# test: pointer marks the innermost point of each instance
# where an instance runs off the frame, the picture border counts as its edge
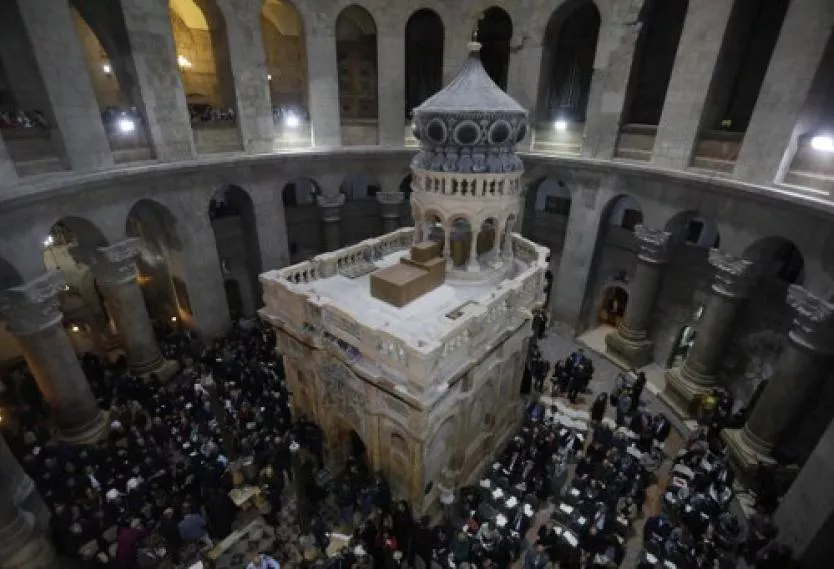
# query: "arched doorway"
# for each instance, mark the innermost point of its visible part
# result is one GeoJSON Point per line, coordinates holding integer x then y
{"type": "Point", "coordinates": [494, 31]}
{"type": "Point", "coordinates": [423, 58]}
{"type": "Point", "coordinates": [232, 217]}
{"type": "Point", "coordinates": [361, 214]}
{"type": "Point", "coordinates": [356, 54]}
{"type": "Point", "coordinates": [460, 241]}
{"type": "Point", "coordinates": [282, 30]}
{"type": "Point", "coordinates": [302, 217]}
{"type": "Point", "coordinates": [205, 67]}
{"type": "Point", "coordinates": [612, 306]}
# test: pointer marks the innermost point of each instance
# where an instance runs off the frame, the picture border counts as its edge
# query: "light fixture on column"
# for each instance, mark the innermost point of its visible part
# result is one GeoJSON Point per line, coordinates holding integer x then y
{"type": "Point", "coordinates": [291, 120]}
{"type": "Point", "coordinates": [561, 125]}
{"type": "Point", "coordinates": [269, 76]}
{"type": "Point", "coordinates": [823, 143]}
{"type": "Point", "coordinates": [75, 328]}
{"type": "Point", "coordinates": [106, 68]}
{"type": "Point", "coordinates": [183, 62]}
{"type": "Point", "coordinates": [49, 241]}
{"type": "Point", "coordinates": [126, 125]}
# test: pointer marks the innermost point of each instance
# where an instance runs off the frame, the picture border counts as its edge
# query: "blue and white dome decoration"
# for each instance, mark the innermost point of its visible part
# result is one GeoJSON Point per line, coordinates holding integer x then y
{"type": "Point", "coordinates": [471, 125]}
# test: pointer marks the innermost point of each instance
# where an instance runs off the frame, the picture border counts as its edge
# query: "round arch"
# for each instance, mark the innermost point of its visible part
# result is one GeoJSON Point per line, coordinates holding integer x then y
{"type": "Point", "coordinates": [493, 31]}
{"type": "Point", "coordinates": [232, 214]}
{"type": "Point", "coordinates": [424, 34]}
{"type": "Point", "coordinates": [569, 49]}
{"type": "Point", "coordinates": [777, 257]}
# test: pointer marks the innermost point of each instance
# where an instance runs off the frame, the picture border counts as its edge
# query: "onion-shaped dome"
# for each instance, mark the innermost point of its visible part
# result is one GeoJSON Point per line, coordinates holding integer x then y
{"type": "Point", "coordinates": [471, 125]}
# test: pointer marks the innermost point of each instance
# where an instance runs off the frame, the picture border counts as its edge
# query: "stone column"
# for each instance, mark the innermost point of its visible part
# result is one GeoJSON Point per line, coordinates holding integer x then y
{"type": "Point", "coordinates": [806, 511]}
{"type": "Point", "coordinates": [115, 269]}
{"type": "Point", "coordinates": [248, 63]}
{"type": "Point", "coordinates": [33, 316]}
{"type": "Point", "coordinates": [61, 64]}
{"type": "Point", "coordinates": [630, 340]}
{"type": "Point", "coordinates": [686, 385]}
{"type": "Point", "coordinates": [20, 487]}
{"type": "Point", "coordinates": [23, 545]}
{"type": "Point", "coordinates": [770, 142]}
{"type": "Point", "coordinates": [391, 86]}
{"type": "Point", "coordinates": [473, 266]}
{"type": "Point", "coordinates": [158, 79]}
{"type": "Point", "coordinates": [8, 174]}
{"type": "Point", "coordinates": [331, 220]}
{"type": "Point", "coordinates": [688, 93]}
{"type": "Point", "coordinates": [323, 80]}
{"type": "Point", "coordinates": [607, 99]}
{"type": "Point", "coordinates": [796, 377]}
{"type": "Point", "coordinates": [390, 203]}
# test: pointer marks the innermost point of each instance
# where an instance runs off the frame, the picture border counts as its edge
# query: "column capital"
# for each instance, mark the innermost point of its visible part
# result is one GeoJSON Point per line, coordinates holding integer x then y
{"type": "Point", "coordinates": [733, 275]}
{"type": "Point", "coordinates": [390, 198]}
{"type": "Point", "coordinates": [112, 264]}
{"type": "Point", "coordinates": [813, 325]}
{"type": "Point", "coordinates": [654, 244]}
{"type": "Point", "coordinates": [329, 206]}
{"type": "Point", "coordinates": [33, 306]}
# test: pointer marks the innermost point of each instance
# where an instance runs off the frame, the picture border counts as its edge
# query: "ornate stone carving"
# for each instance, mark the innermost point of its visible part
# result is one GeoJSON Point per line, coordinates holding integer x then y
{"type": "Point", "coordinates": [813, 325]}
{"type": "Point", "coordinates": [654, 244]}
{"type": "Point", "coordinates": [116, 263]}
{"type": "Point", "coordinates": [340, 386]}
{"type": "Point", "coordinates": [330, 206]}
{"type": "Point", "coordinates": [733, 275]}
{"type": "Point", "coordinates": [32, 307]}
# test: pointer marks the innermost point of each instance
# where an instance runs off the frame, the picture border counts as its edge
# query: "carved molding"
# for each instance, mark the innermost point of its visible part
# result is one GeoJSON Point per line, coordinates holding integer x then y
{"type": "Point", "coordinates": [33, 307]}
{"type": "Point", "coordinates": [813, 325]}
{"type": "Point", "coordinates": [330, 206]}
{"type": "Point", "coordinates": [111, 264]}
{"type": "Point", "coordinates": [733, 275]}
{"type": "Point", "coordinates": [654, 244]}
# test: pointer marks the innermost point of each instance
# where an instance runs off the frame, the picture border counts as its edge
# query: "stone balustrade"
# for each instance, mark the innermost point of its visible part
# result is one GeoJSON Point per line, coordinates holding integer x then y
{"type": "Point", "coordinates": [465, 185]}
{"type": "Point", "coordinates": [424, 359]}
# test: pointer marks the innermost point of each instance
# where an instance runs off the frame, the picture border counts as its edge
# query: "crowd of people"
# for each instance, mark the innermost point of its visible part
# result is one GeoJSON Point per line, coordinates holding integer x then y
{"type": "Point", "coordinates": [163, 475]}
{"type": "Point", "coordinates": [205, 113]}
{"type": "Point", "coordinates": [19, 118]}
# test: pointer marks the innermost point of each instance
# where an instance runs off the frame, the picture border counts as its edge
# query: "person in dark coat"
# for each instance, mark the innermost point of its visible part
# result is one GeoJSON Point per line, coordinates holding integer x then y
{"type": "Point", "coordinates": [598, 407]}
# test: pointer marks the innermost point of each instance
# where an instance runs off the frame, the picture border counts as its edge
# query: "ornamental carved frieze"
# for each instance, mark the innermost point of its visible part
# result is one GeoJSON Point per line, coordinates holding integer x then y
{"type": "Point", "coordinates": [654, 244]}
{"type": "Point", "coordinates": [733, 275]}
{"type": "Point", "coordinates": [813, 324]}
{"type": "Point", "coordinates": [33, 307]}
{"type": "Point", "coordinates": [341, 388]}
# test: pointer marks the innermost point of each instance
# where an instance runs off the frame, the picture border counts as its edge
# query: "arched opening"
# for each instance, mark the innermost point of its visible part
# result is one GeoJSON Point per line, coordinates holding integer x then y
{"type": "Point", "coordinates": [684, 340]}
{"type": "Point", "coordinates": [487, 249]}
{"type": "Point", "coordinates": [762, 326]}
{"type": "Point", "coordinates": [282, 31]}
{"type": "Point", "coordinates": [356, 54]}
{"type": "Point", "coordinates": [612, 306]}
{"type": "Point", "coordinates": [614, 262]}
{"type": "Point", "coordinates": [232, 217]}
{"type": "Point", "coordinates": [512, 221]}
{"type": "Point", "coordinates": [361, 214]}
{"type": "Point", "coordinates": [302, 218]}
{"type": "Point", "coordinates": [745, 54]}
{"type": "Point", "coordinates": [423, 58]}
{"type": "Point", "coordinates": [435, 231]}
{"type": "Point", "coordinates": [568, 53]}
{"type": "Point", "coordinates": [460, 241]}
{"type": "Point", "coordinates": [546, 214]}
{"type": "Point", "coordinates": [86, 315]}
{"type": "Point", "coordinates": [205, 67]}
{"type": "Point", "coordinates": [123, 123]}
{"type": "Point", "coordinates": [161, 264]}
{"type": "Point", "coordinates": [494, 31]}
{"type": "Point", "coordinates": [687, 280]}
{"type": "Point", "coordinates": [654, 60]}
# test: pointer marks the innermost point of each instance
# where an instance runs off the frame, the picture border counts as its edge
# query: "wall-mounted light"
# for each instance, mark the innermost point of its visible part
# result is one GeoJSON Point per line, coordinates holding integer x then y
{"type": "Point", "coordinates": [106, 68]}
{"type": "Point", "coordinates": [75, 328]}
{"type": "Point", "coordinates": [823, 143]}
{"type": "Point", "coordinates": [269, 76]}
{"type": "Point", "coordinates": [561, 125]}
{"type": "Point", "coordinates": [126, 125]}
{"type": "Point", "coordinates": [173, 318]}
{"type": "Point", "coordinates": [291, 121]}
{"type": "Point", "coordinates": [49, 241]}
{"type": "Point", "coordinates": [183, 62]}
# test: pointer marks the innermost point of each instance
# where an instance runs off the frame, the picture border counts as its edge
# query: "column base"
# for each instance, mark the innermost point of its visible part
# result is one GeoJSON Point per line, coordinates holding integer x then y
{"type": "Point", "coordinates": [88, 434]}
{"type": "Point", "coordinates": [164, 370]}
{"type": "Point", "coordinates": [681, 394]}
{"type": "Point", "coordinates": [23, 546]}
{"type": "Point", "coordinates": [746, 455]}
{"type": "Point", "coordinates": [636, 352]}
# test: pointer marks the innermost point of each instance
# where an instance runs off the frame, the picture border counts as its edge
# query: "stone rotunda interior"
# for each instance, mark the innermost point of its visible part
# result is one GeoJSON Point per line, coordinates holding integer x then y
{"type": "Point", "coordinates": [393, 219]}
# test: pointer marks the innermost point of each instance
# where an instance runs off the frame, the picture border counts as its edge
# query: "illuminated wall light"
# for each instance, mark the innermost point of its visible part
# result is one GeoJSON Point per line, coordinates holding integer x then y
{"type": "Point", "coordinates": [75, 328]}
{"type": "Point", "coordinates": [106, 68]}
{"type": "Point", "coordinates": [823, 143]}
{"type": "Point", "coordinates": [561, 125]}
{"type": "Point", "coordinates": [183, 62]}
{"type": "Point", "coordinates": [126, 126]}
{"type": "Point", "coordinates": [269, 76]}
{"type": "Point", "coordinates": [48, 241]}
{"type": "Point", "coordinates": [291, 121]}
{"type": "Point", "coordinates": [173, 318]}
